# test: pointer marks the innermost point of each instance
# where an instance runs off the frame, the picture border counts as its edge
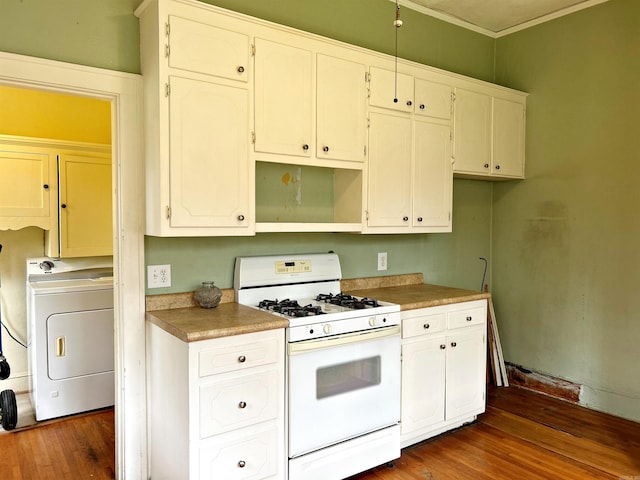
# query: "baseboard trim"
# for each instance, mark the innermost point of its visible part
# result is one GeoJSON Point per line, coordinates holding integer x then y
{"type": "Point", "coordinates": [541, 383]}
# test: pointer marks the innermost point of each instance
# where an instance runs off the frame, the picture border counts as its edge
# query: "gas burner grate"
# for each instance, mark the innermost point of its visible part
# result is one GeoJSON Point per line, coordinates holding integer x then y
{"type": "Point", "coordinates": [348, 301]}
{"type": "Point", "coordinates": [290, 308]}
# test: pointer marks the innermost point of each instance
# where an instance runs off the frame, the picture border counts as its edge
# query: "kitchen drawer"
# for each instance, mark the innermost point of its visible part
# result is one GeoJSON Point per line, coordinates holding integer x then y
{"type": "Point", "coordinates": [240, 401]}
{"type": "Point", "coordinates": [252, 456]}
{"type": "Point", "coordinates": [464, 318]}
{"type": "Point", "coordinates": [238, 356]}
{"type": "Point", "coordinates": [424, 325]}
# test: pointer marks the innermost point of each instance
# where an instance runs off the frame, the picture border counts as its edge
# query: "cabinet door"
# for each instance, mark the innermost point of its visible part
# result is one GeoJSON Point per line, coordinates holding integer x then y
{"type": "Point", "coordinates": [25, 187]}
{"type": "Point", "coordinates": [86, 227]}
{"type": "Point", "coordinates": [432, 99]}
{"type": "Point", "coordinates": [209, 163]}
{"type": "Point", "coordinates": [466, 364]}
{"type": "Point", "coordinates": [202, 48]}
{"type": "Point", "coordinates": [472, 132]}
{"type": "Point", "coordinates": [283, 93]}
{"type": "Point", "coordinates": [508, 138]}
{"type": "Point", "coordinates": [433, 176]}
{"type": "Point", "coordinates": [423, 384]}
{"type": "Point", "coordinates": [341, 102]}
{"type": "Point", "coordinates": [389, 195]}
{"type": "Point", "coordinates": [389, 90]}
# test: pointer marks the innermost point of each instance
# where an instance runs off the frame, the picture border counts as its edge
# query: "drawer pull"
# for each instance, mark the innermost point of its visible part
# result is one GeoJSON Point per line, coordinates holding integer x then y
{"type": "Point", "coordinates": [443, 346]}
{"type": "Point", "coordinates": [426, 326]}
{"type": "Point", "coordinates": [242, 405]}
{"type": "Point", "coordinates": [469, 318]}
{"type": "Point", "coordinates": [453, 344]}
{"type": "Point", "coordinates": [242, 463]}
{"type": "Point", "coordinates": [242, 359]}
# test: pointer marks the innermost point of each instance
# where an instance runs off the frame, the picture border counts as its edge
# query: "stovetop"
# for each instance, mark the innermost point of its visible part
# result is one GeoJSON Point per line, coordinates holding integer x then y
{"type": "Point", "coordinates": [322, 304]}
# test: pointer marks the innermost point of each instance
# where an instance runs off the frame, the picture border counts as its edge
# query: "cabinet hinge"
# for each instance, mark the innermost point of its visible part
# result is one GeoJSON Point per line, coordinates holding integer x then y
{"type": "Point", "coordinates": [168, 212]}
{"type": "Point", "coordinates": [253, 49]}
{"type": "Point", "coordinates": [253, 137]}
{"type": "Point", "coordinates": [167, 89]}
{"type": "Point", "coordinates": [366, 215]}
{"type": "Point", "coordinates": [449, 216]}
{"type": "Point", "coordinates": [167, 50]}
{"type": "Point", "coordinates": [167, 29]}
{"type": "Point", "coordinates": [368, 122]}
{"type": "Point", "coordinates": [365, 150]}
{"type": "Point", "coordinates": [450, 135]}
{"type": "Point", "coordinates": [367, 77]}
{"type": "Point", "coordinates": [453, 97]}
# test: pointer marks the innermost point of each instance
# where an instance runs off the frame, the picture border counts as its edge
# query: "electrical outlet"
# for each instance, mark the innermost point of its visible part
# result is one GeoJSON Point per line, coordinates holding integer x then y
{"type": "Point", "coordinates": [382, 260]}
{"type": "Point", "coordinates": [158, 276]}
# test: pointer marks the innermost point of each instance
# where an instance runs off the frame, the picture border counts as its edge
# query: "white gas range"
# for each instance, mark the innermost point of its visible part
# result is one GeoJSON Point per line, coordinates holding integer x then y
{"type": "Point", "coordinates": [343, 364]}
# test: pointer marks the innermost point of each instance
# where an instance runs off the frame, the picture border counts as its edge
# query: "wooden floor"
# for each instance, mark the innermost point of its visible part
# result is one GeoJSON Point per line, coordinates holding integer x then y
{"type": "Point", "coordinates": [522, 436]}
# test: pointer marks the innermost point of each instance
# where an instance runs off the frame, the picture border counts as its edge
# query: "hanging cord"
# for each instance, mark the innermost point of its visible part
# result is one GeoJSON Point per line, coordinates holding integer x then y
{"type": "Point", "coordinates": [397, 24]}
{"type": "Point", "coordinates": [485, 272]}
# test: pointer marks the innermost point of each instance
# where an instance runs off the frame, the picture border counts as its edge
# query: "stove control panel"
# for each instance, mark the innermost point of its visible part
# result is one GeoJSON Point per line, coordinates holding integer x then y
{"type": "Point", "coordinates": [311, 331]}
{"type": "Point", "coordinates": [293, 266]}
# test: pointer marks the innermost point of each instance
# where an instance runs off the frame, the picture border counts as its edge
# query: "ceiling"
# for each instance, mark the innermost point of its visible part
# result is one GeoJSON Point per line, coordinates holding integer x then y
{"type": "Point", "coordinates": [497, 17]}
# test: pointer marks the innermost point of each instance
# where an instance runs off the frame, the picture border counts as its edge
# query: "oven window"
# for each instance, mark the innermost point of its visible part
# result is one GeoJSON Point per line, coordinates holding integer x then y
{"type": "Point", "coordinates": [347, 377]}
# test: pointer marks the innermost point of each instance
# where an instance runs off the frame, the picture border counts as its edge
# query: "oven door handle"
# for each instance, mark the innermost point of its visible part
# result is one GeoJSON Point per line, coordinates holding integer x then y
{"type": "Point", "coordinates": [344, 339]}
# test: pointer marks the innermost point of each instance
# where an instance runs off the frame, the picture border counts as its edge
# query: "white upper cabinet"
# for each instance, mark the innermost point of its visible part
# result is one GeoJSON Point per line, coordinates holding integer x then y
{"type": "Point", "coordinates": [341, 109]}
{"type": "Point", "coordinates": [432, 177]}
{"type": "Point", "coordinates": [432, 99]}
{"type": "Point", "coordinates": [508, 138]}
{"type": "Point", "coordinates": [489, 130]}
{"type": "Point", "coordinates": [200, 48]}
{"type": "Point", "coordinates": [391, 90]}
{"type": "Point", "coordinates": [209, 171]}
{"type": "Point", "coordinates": [283, 99]}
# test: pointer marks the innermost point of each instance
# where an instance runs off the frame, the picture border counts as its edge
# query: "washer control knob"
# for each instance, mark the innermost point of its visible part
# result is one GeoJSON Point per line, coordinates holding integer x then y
{"type": "Point", "coordinates": [326, 328]}
{"type": "Point", "coordinates": [373, 321]}
{"type": "Point", "coordinates": [47, 265]}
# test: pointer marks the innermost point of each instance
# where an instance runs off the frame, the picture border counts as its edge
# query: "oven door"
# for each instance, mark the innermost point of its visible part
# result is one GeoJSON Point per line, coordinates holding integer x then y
{"type": "Point", "coordinates": [342, 387]}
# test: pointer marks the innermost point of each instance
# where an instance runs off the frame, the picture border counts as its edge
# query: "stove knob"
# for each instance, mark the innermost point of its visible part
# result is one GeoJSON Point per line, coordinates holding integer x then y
{"type": "Point", "coordinates": [372, 321]}
{"type": "Point", "coordinates": [326, 328]}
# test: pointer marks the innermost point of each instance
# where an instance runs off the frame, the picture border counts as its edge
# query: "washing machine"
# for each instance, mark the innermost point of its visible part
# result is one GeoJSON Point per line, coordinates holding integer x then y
{"type": "Point", "coordinates": [70, 335]}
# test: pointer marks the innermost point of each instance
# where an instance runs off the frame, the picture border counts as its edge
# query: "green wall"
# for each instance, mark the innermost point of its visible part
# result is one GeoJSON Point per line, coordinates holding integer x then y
{"type": "Point", "coordinates": [566, 263]}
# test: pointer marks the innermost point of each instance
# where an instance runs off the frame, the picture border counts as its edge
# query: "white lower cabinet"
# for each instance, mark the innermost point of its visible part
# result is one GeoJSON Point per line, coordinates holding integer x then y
{"type": "Point", "coordinates": [216, 407]}
{"type": "Point", "coordinates": [443, 368]}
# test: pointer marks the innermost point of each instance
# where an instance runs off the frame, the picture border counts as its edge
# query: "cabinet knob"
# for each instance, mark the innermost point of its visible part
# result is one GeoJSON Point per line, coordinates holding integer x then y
{"type": "Point", "coordinates": [422, 106]}
{"type": "Point", "coordinates": [409, 103]}
{"type": "Point", "coordinates": [242, 463]}
{"type": "Point", "coordinates": [453, 344]}
{"type": "Point", "coordinates": [406, 219]}
{"type": "Point", "coordinates": [242, 405]}
{"type": "Point", "coordinates": [419, 219]}
{"type": "Point", "coordinates": [45, 186]}
{"type": "Point", "coordinates": [63, 205]}
{"type": "Point", "coordinates": [240, 69]}
{"type": "Point", "coordinates": [325, 149]}
{"type": "Point", "coordinates": [305, 147]}
{"type": "Point", "coordinates": [242, 359]}
{"type": "Point", "coordinates": [486, 165]}
{"type": "Point", "coordinates": [469, 318]}
{"type": "Point", "coordinates": [241, 217]}
{"type": "Point", "coordinates": [443, 346]}
{"type": "Point", "coordinates": [426, 326]}
{"type": "Point", "coordinates": [497, 167]}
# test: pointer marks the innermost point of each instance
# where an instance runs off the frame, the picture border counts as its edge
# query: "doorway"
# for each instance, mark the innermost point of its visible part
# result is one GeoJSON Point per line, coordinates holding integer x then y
{"type": "Point", "coordinates": [124, 92]}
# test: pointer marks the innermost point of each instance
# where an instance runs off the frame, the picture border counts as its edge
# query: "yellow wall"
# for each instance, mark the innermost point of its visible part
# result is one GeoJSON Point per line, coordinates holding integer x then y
{"type": "Point", "coordinates": [31, 113]}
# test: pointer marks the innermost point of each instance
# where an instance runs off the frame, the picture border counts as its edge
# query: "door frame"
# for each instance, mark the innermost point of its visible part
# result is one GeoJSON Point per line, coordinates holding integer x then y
{"type": "Point", "coordinates": [124, 91]}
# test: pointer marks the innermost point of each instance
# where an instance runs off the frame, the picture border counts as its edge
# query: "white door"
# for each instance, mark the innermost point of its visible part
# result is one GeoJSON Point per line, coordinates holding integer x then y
{"type": "Point", "coordinates": [283, 94]}
{"type": "Point", "coordinates": [209, 166]}
{"type": "Point", "coordinates": [80, 343]}
{"type": "Point", "coordinates": [389, 195]}
{"type": "Point", "coordinates": [341, 101]}
{"type": "Point", "coordinates": [433, 176]}
{"type": "Point", "coordinates": [472, 132]}
{"type": "Point", "coordinates": [432, 99]}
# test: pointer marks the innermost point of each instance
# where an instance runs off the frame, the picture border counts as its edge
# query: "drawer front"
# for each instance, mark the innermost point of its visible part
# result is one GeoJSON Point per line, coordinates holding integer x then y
{"type": "Point", "coordinates": [464, 318]}
{"type": "Point", "coordinates": [237, 357]}
{"type": "Point", "coordinates": [238, 402]}
{"type": "Point", "coordinates": [246, 457]}
{"type": "Point", "coordinates": [424, 325]}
